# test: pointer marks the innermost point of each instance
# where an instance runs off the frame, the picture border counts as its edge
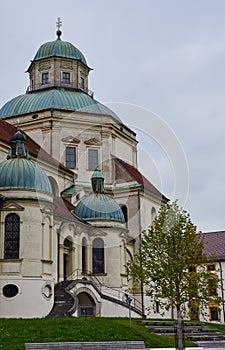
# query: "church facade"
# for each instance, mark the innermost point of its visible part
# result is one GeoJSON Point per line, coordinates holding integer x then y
{"type": "Point", "coordinates": [77, 230]}
{"type": "Point", "coordinates": [73, 202]}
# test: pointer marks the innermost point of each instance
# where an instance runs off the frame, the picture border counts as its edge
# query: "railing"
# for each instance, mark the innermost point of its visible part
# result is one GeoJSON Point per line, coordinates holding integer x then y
{"type": "Point", "coordinates": [115, 293]}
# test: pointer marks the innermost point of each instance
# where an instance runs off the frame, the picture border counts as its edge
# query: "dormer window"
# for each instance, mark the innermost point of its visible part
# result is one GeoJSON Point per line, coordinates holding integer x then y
{"type": "Point", "coordinates": [45, 78]}
{"type": "Point", "coordinates": [66, 77]}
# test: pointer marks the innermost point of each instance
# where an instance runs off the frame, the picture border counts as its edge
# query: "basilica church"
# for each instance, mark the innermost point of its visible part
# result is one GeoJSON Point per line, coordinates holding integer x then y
{"type": "Point", "coordinates": [73, 203]}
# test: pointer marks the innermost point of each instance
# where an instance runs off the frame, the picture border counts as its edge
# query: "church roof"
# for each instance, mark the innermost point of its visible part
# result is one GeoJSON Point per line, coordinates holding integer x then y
{"type": "Point", "coordinates": [63, 209]}
{"type": "Point", "coordinates": [34, 149]}
{"type": "Point", "coordinates": [140, 178]}
{"type": "Point", "coordinates": [214, 244]}
{"type": "Point", "coordinates": [99, 206]}
{"type": "Point", "coordinates": [19, 171]}
{"type": "Point", "coordinates": [59, 48]}
{"type": "Point", "coordinates": [55, 98]}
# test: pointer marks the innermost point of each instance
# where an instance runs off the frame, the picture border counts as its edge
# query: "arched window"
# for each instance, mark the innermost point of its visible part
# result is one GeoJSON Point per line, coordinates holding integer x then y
{"type": "Point", "coordinates": [84, 255]}
{"type": "Point", "coordinates": [124, 210]}
{"type": "Point", "coordinates": [12, 236]}
{"type": "Point", "coordinates": [98, 260]}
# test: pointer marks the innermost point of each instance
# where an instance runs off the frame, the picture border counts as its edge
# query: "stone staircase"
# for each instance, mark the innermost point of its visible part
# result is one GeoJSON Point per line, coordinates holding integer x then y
{"type": "Point", "coordinates": [116, 345]}
{"type": "Point", "coordinates": [194, 331]}
{"type": "Point", "coordinates": [64, 302]}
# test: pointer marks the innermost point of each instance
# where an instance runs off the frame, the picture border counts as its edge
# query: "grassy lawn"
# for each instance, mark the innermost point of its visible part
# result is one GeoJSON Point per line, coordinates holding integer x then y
{"type": "Point", "coordinates": [15, 332]}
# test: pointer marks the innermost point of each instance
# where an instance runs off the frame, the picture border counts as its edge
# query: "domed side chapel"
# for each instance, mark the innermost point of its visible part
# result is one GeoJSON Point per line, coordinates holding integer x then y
{"type": "Point", "coordinates": [73, 202]}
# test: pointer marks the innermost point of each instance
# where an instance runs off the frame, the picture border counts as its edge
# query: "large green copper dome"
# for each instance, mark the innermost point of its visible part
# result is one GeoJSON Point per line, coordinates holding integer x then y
{"type": "Point", "coordinates": [56, 98]}
{"type": "Point", "coordinates": [59, 48]}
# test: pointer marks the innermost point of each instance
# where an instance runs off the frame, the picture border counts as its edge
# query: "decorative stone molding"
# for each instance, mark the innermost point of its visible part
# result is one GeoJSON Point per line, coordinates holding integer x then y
{"type": "Point", "coordinates": [12, 206]}
{"type": "Point", "coordinates": [70, 139]}
{"type": "Point", "coordinates": [92, 141]}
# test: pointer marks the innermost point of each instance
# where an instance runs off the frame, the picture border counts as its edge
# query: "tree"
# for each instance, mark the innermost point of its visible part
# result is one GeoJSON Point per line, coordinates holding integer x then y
{"type": "Point", "coordinates": [172, 265]}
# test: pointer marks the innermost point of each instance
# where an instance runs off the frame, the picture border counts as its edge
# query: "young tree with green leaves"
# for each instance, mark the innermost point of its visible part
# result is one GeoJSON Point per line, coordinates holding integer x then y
{"type": "Point", "coordinates": [171, 264]}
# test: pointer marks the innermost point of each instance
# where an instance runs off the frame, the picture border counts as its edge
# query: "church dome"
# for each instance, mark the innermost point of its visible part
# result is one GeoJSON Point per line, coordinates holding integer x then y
{"type": "Point", "coordinates": [56, 98]}
{"type": "Point", "coordinates": [19, 172]}
{"type": "Point", "coordinates": [97, 205]}
{"type": "Point", "coordinates": [59, 48]}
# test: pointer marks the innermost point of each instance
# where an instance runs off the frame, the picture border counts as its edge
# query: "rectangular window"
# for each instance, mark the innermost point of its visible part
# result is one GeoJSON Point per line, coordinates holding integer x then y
{"type": "Point", "coordinates": [92, 159]}
{"type": "Point", "coordinates": [71, 157]}
{"type": "Point", "coordinates": [212, 284]}
{"type": "Point", "coordinates": [45, 78]}
{"type": "Point", "coordinates": [214, 313]}
{"type": "Point", "coordinates": [211, 267]}
{"type": "Point", "coordinates": [82, 83]}
{"type": "Point", "coordinates": [66, 78]}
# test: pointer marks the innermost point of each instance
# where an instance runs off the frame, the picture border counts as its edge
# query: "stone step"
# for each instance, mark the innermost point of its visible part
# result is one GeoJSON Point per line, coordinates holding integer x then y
{"type": "Point", "coordinates": [117, 345]}
{"type": "Point", "coordinates": [208, 335]}
{"type": "Point", "coordinates": [217, 344]}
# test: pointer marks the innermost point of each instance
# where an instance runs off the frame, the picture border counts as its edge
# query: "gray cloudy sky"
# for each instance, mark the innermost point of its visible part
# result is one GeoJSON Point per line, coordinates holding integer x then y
{"type": "Point", "coordinates": [164, 56]}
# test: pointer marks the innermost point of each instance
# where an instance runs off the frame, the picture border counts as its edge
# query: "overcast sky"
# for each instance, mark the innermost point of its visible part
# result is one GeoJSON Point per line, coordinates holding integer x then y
{"type": "Point", "coordinates": [161, 64]}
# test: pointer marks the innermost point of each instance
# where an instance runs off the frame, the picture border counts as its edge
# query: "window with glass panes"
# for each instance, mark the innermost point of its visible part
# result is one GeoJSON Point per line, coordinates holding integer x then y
{"type": "Point", "coordinates": [98, 256]}
{"type": "Point", "coordinates": [44, 78]}
{"type": "Point", "coordinates": [71, 157]}
{"type": "Point", "coordinates": [92, 159]}
{"type": "Point", "coordinates": [12, 236]}
{"type": "Point", "coordinates": [66, 77]}
{"type": "Point", "coordinates": [82, 83]}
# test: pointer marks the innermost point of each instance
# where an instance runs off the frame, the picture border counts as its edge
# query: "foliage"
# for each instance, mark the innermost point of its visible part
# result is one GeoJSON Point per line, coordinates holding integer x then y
{"type": "Point", "coordinates": [14, 333]}
{"type": "Point", "coordinates": [171, 262]}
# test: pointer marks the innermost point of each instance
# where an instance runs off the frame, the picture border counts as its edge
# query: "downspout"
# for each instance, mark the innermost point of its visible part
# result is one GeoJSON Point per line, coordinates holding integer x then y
{"type": "Point", "coordinates": [139, 224]}
{"type": "Point", "coordinates": [221, 277]}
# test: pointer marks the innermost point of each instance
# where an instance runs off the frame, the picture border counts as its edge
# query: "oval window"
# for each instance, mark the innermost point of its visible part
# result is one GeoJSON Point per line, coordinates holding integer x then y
{"type": "Point", "coordinates": [10, 290]}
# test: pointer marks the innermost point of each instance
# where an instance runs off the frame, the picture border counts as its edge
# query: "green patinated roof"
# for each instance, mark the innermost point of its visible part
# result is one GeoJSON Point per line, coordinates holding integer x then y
{"type": "Point", "coordinates": [59, 48]}
{"type": "Point", "coordinates": [99, 207]}
{"type": "Point", "coordinates": [97, 174]}
{"type": "Point", "coordinates": [21, 173]}
{"type": "Point", "coordinates": [61, 99]}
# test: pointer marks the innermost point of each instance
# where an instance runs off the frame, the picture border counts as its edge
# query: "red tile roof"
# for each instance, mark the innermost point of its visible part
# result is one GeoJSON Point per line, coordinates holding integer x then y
{"type": "Point", "coordinates": [141, 179]}
{"type": "Point", "coordinates": [6, 132]}
{"type": "Point", "coordinates": [63, 209]}
{"type": "Point", "coordinates": [214, 244]}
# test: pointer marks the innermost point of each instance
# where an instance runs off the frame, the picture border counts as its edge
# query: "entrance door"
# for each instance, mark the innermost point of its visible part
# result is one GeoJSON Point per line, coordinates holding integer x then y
{"type": "Point", "coordinates": [86, 305]}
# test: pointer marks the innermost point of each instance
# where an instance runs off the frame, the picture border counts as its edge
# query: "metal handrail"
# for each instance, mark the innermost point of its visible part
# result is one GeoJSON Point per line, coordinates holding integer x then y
{"type": "Point", "coordinates": [104, 289]}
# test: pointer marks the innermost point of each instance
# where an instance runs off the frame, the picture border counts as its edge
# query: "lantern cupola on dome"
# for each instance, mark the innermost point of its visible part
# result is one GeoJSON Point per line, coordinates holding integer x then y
{"type": "Point", "coordinates": [19, 171]}
{"type": "Point", "coordinates": [98, 206]}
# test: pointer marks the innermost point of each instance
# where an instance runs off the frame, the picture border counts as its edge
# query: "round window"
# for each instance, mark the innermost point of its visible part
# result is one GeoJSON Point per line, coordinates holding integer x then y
{"type": "Point", "coordinates": [47, 291]}
{"type": "Point", "coordinates": [10, 290]}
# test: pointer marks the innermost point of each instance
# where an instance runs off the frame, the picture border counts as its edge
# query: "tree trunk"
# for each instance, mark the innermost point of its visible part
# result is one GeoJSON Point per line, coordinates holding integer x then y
{"type": "Point", "coordinates": [180, 344]}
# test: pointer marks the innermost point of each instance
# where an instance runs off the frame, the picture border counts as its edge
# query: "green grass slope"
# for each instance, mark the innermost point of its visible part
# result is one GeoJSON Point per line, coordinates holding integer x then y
{"type": "Point", "coordinates": [14, 333]}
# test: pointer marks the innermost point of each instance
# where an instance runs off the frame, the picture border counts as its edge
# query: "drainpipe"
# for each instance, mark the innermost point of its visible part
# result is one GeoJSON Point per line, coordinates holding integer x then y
{"type": "Point", "coordinates": [221, 277]}
{"type": "Point", "coordinates": [139, 224]}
